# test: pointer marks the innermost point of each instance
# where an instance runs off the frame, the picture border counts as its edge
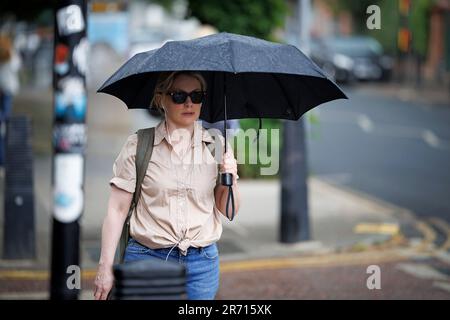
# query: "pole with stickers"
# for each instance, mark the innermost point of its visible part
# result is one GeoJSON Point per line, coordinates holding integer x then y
{"type": "Point", "coordinates": [68, 141]}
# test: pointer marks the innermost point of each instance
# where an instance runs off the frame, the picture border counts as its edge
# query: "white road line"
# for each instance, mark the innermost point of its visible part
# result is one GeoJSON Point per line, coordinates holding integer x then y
{"type": "Point", "coordinates": [399, 131]}
{"type": "Point", "coordinates": [421, 271]}
{"type": "Point", "coordinates": [430, 138]}
{"type": "Point", "coordinates": [443, 257]}
{"type": "Point", "coordinates": [388, 130]}
{"type": "Point", "coordinates": [442, 285]}
{"type": "Point", "coordinates": [365, 123]}
{"type": "Point", "coordinates": [339, 178]}
{"type": "Point", "coordinates": [444, 227]}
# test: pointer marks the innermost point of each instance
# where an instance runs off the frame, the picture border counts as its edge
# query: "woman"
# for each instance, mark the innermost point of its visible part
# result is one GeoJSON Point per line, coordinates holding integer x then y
{"type": "Point", "coordinates": [178, 214]}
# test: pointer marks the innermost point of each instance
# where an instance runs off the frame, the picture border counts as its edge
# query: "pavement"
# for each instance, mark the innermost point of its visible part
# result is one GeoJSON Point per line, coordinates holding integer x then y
{"type": "Point", "coordinates": [349, 230]}
{"type": "Point", "coordinates": [432, 96]}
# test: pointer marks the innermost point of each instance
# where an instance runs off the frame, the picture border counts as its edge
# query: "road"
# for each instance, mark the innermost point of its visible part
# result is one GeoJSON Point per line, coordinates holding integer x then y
{"type": "Point", "coordinates": [393, 150]}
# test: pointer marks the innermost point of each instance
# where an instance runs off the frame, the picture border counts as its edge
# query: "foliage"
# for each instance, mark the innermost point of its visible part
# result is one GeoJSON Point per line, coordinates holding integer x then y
{"type": "Point", "coordinates": [390, 21]}
{"type": "Point", "coordinates": [25, 9]}
{"type": "Point", "coordinates": [419, 24]}
{"type": "Point", "coordinates": [356, 8]}
{"type": "Point", "coordinates": [248, 170]}
{"type": "Point", "coordinates": [257, 18]}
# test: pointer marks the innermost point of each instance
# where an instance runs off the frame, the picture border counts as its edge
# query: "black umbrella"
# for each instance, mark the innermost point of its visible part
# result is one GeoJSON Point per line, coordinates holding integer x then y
{"type": "Point", "coordinates": [246, 78]}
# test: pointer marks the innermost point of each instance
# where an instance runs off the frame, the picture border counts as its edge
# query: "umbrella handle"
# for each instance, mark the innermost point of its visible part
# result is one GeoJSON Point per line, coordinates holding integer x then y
{"type": "Point", "coordinates": [227, 180]}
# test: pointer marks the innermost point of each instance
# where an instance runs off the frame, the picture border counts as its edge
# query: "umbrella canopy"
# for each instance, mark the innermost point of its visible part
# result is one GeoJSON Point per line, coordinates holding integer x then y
{"type": "Point", "coordinates": [260, 79]}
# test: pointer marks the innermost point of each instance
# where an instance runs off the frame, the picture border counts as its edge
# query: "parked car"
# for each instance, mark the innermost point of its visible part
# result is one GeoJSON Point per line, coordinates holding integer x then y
{"type": "Point", "coordinates": [352, 58]}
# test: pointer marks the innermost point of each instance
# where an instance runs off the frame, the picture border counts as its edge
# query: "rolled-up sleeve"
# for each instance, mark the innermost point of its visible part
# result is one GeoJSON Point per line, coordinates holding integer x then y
{"type": "Point", "coordinates": [124, 168]}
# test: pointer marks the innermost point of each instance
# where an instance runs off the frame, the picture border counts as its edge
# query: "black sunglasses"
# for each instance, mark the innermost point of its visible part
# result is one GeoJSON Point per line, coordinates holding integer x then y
{"type": "Point", "coordinates": [179, 97]}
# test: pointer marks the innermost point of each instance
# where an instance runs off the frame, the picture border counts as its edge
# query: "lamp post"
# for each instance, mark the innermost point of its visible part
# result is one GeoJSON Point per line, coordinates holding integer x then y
{"type": "Point", "coordinates": [69, 140]}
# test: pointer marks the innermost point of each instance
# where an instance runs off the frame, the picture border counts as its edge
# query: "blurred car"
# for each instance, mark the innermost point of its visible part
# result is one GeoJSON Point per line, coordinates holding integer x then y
{"type": "Point", "coordinates": [347, 59]}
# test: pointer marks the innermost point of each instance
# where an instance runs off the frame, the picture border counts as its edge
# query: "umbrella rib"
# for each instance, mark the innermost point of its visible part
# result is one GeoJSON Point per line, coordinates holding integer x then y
{"type": "Point", "coordinates": [323, 97]}
{"type": "Point", "coordinates": [274, 75]}
{"type": "Point", "coordinates": [231, 50]}
{"type": "Point", "coordinates": [138, 93]}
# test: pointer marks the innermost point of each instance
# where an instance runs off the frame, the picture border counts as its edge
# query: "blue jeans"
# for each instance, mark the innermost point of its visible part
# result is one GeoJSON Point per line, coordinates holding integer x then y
{"type": "Point", "coordinates": [202, 266]}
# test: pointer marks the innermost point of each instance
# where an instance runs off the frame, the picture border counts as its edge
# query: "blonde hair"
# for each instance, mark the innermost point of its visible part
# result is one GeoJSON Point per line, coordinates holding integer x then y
{"type": "Point", "coordinates": [165, 82]}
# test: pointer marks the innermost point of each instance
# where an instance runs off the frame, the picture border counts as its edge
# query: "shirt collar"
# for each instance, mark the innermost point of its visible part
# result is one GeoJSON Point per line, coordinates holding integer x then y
{"type": "Point", "coordinates": [161, 133]}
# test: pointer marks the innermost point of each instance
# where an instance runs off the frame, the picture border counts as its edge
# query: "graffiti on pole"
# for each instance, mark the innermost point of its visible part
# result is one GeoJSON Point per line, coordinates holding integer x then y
{"type": "Point", "coordinates": [70, 20]}
{"type": "Point", "coordinates": [61, 59]}
{"type": "Point", "coordinates": [69, 138]}
{"type": "Point", "coordinates": [79, 57]}
{"type": "Point", "coordinates": [68, 192]}
{"type": "Point", "coordinates": [70, 100]}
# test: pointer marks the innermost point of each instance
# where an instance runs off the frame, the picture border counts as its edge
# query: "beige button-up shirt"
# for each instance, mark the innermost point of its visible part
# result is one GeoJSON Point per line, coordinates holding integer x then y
{"type": "Point", "coordinates": [177, 205]}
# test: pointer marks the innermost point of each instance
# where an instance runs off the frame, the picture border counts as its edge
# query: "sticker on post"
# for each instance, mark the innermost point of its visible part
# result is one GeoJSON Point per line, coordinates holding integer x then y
{"type": "Point", "coordinates": [70, 20]}
{"type": "Point", "coordinates": [69, 138]}
{"type": "Point", "coordinates": [68, 193]}
{"type": "Point", "coordinates": [80, 53]}
{"type": "Point", "coordinates": [70, 100]}
{"type": "Point", "coordinates": [61, 59]}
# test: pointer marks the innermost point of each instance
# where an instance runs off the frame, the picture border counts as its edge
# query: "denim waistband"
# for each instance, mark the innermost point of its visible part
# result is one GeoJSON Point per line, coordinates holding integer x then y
{"type": "Point", "coordinates": [190, 250]}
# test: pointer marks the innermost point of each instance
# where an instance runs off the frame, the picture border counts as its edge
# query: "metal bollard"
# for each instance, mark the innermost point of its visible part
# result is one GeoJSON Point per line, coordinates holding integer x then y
{"type": "Point", "coordinates": [19, 234]}
{"type": "Point", "coordinates": [150, 279]}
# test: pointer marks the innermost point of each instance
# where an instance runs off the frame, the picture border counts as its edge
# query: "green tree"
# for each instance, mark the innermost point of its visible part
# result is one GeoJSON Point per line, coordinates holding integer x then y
{"type": "Point", "coordinates": [356, 8]}
{"type": "Point", "coordinates": [25, 10]}
{"type": "Point", "coordinates": [419, 24]}
{"type": "Point", "coordinates": [258, 18]}
{"type": "Point", "coordinates": [387, 36]}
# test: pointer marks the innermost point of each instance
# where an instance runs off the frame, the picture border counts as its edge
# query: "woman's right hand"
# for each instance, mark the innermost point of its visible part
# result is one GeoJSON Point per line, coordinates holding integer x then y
{"type": "Point", "coordinates": [104, 282]}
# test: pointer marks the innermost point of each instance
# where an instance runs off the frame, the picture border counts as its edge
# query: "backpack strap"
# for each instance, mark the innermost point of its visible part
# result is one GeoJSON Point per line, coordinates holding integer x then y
{"type": "Point", "coordinates": [143, 154]}
{"type": "Point", "coordinates": [144, 151]}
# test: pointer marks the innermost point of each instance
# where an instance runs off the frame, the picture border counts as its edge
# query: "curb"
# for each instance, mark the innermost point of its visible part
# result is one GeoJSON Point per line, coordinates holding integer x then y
{"type": "Point", "coordinates": [406, 218]}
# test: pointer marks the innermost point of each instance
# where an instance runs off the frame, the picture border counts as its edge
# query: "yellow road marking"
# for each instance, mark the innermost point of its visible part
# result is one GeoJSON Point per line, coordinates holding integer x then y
{"type": "Point", "coordinates": [445, 228]}
{"type": "Point", "coordinates": [23, 275]}
{"type": "Point", "coordinates": [40, 275]}
{"type": "Point", "coordinates": [329, 260]}
{"type": "Point", "coordinates": [428, 233]}
{"type": "Point", "coordinates": [377, 228]}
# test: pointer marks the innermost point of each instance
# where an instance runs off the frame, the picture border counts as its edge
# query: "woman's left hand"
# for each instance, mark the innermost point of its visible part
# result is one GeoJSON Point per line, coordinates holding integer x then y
{"type": "Point", "coordinates": [229, 165]}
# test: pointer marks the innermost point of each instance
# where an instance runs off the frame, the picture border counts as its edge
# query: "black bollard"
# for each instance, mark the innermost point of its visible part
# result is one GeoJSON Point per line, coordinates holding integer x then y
{"type": "Point", "coordinates": [19, 232]}
{"type": "Point", "coordinates": [150, 279]}
{"type": "Point", "coordinates": [294, 222]}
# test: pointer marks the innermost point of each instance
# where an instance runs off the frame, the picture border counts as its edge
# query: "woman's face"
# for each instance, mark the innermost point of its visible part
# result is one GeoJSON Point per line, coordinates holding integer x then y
{"type": "Point", "coordinates": [183, 114]}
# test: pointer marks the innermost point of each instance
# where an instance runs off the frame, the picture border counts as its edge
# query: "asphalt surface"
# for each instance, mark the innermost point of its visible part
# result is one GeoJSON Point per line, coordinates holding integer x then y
{"type": "Point", "coordinates": [394, 150]}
